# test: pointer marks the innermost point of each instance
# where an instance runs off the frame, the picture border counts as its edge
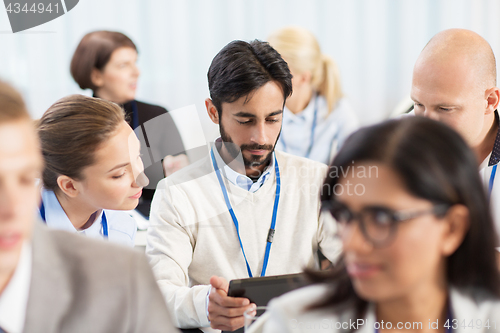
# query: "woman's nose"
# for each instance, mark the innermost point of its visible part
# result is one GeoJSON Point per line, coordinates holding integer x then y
{"type": "Point", "coordinates": [354, 240]}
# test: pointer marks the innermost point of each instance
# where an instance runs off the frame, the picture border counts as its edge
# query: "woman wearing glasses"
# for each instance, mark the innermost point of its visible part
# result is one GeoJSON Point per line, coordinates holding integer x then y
{"type": "Point", "coordinates": [419, 242]}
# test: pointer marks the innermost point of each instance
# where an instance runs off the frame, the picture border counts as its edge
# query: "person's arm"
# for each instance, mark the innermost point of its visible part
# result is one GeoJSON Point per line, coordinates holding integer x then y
{"type": "Point", "coordinates": [329, 243]}
{"type": "Point", "coordinates": [346, 123]}
{"type": "Point", "coordinates": [148, 306]}
{"type": "Point", "coordinates": [169, 248]}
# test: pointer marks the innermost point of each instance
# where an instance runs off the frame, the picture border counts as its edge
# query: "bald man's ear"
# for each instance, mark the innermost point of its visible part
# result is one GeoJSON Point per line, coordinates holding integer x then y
{"type": "Point", "coordinates": [212, 111]}
{"type": "Point", "coordinates": [492, 96]}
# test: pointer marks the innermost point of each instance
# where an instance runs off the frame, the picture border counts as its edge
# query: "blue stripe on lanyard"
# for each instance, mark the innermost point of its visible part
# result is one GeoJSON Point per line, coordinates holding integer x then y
{"type": "Point", "coordinates": [135, 115]}
{"type": "Point", "coordinates": [313, 130]}
{"type": "Point", "coordinates": [235, 220]}
{"type": "Point", "coordinates": [104, 220]}
{"type": "Point", "coordinates": [492, 179]}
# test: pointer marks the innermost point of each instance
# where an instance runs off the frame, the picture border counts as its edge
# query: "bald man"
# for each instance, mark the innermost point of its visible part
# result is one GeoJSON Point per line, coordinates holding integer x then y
{"type": "Point", "coordinates": [454, 81]}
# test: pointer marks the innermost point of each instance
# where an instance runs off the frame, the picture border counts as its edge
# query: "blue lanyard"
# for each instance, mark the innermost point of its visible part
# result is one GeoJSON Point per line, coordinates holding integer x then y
{"type": "Point", "coordinates": [313, 130]}
{"type": "Point", "coordinates": [492, 179]}
{"type": "Point", "coordinates": [135, 115]}
{"type": "Point", "coordinates": [270, 235]}
{"type": "Point", "coordinates": [104, 220]}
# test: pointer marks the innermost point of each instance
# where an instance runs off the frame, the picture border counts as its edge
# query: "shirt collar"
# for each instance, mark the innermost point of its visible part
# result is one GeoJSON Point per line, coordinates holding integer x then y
{"type": "Point", "coordinates": [495, 153]}
{"type": "Point", "coordinates": [56, 217]}
{"type": "Point", "coordinates": [241, 180]}
{"type": "Point", "coordinates": [306, 115]}
{"type": "Point", "coordinates": [14, 298]}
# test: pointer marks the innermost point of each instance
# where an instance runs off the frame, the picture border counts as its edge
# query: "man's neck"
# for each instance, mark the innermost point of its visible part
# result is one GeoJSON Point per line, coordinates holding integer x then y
{"type": "Point", "coordinates": [486, 146]}
{"type": "Point", "coordinates": [6, 274]}
{"type": "Point", "coordinates": [302, 100]}
{"type": "Point", "coordinates": [80, 215]}
{"type": "Point", "coordinates": [4, 280]}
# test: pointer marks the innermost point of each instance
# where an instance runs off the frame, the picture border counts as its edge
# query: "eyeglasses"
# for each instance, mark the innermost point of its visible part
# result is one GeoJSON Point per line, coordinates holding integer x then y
{"type": "Point", "coordinates": [378, 224]}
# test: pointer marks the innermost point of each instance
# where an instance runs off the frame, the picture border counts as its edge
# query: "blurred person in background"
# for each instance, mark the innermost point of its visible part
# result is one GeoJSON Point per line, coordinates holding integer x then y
{"type": "Point", "coordinates": [317, 118]}
{"type": "Point", "coordinates": [52, 280]}
{"type": "Point", "coordinates": [417, 235]}
{"type": "Point", "coordinates": [105, 62]}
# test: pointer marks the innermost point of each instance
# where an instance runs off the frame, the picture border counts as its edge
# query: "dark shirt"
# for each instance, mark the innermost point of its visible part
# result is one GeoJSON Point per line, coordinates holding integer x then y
{"type": "Point", "coordinates": [495, 154]}
{"type": "Point", "coordinates": [159, 137]}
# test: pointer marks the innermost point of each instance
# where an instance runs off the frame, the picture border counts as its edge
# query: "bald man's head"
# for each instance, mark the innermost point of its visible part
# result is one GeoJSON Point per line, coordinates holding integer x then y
{"type": "Point", "coordinates": [454, 81]}
{"type": "Point", "coordinates": [465, 47]}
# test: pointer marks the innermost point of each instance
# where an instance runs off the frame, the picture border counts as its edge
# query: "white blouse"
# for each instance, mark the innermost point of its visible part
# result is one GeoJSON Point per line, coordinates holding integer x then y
{"type": "Point", "coordinates": [330, 131]}
{"type": "Point", "coordinates": [121, 226]}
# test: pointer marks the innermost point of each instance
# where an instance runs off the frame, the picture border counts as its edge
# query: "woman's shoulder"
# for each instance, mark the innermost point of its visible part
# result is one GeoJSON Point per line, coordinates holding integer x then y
{"type": "Point", "coordinates": [297, 304]}
{"type": "Point", "coordinates": [474, 303]}
{"type": "Point", "coordinates": [295, 312]}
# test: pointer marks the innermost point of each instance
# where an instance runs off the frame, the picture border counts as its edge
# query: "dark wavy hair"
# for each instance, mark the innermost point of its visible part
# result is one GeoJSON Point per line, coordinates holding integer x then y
{"type": "Point", "coordinates": [241, 67]}
{"type": "Point", "coordinates": [435, 164]}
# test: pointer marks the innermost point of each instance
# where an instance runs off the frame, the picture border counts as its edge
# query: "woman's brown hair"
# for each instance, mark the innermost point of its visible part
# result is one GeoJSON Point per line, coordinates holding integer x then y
{"type": "Point", "coordinates": [12, 106]}
{"type": "Point", "coordinates": [94, 52]}
{"type": "Point", "coordinates": [70, 132]}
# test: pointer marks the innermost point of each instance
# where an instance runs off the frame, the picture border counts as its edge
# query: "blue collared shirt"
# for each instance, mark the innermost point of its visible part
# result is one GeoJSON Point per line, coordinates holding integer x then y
{"type": "Point", "coordinates": [240, 180]}
{"type": "Point", "coordinates": [121, 226]}
{"type": "Point", "coordinates": [332, 129]}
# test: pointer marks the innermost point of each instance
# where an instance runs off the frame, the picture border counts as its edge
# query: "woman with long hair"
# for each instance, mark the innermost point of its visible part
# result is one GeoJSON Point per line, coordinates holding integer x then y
{"type": "Point", "coordinates": [317, 117]}
{"type": "Point", "coordinates": [418, 239]}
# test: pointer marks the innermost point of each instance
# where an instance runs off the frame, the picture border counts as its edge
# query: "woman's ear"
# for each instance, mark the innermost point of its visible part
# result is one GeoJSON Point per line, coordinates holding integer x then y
{"type": "Point", "coordinates": [67, 186]}
{"type": "Point", "coordinates": [457, 225]}
{"type": "Point", "coordinates": [96, 77]}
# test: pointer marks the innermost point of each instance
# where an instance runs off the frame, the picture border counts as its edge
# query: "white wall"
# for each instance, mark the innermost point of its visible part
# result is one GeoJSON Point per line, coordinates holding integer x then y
{"type": "Point", "coordinates": [375, 43]}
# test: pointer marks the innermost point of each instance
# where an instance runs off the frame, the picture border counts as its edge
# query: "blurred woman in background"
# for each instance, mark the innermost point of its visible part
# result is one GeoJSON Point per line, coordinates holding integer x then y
{"type": "Point", "coordinates": [105, 62]}
{"type": "Point", "coordinates": [93, 169]}
{"type": "Point", "coordinates": [317, 117]}
{"type": "Point", "coordinates": [418, 237]}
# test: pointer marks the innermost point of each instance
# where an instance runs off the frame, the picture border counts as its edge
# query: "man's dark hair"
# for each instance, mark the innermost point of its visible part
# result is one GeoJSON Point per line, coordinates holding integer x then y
{"type": "Point", "coordinates": [242, 67]}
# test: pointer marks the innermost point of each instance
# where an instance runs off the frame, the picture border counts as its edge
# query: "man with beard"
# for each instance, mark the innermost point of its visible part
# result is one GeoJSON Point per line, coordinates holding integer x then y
{"type": "Point", "coordinates": [245, 210]}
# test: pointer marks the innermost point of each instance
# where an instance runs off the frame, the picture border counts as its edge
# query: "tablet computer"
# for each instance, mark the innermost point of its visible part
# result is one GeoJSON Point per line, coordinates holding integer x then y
{"type": "Point", "coordinates": [260, 290]}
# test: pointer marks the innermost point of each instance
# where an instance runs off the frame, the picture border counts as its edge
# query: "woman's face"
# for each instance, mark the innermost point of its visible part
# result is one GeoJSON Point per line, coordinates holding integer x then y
{"type": "Point", "coordinates": [116, 179]}
{"type": "Point", "coordinates": [117, 81]}
{"type": "Point", "coordinates": [413, 260]}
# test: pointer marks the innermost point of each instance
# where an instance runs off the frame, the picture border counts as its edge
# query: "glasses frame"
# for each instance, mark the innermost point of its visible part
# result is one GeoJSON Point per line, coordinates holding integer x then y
{"type": "Point", "coordinates": [397, 217]}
